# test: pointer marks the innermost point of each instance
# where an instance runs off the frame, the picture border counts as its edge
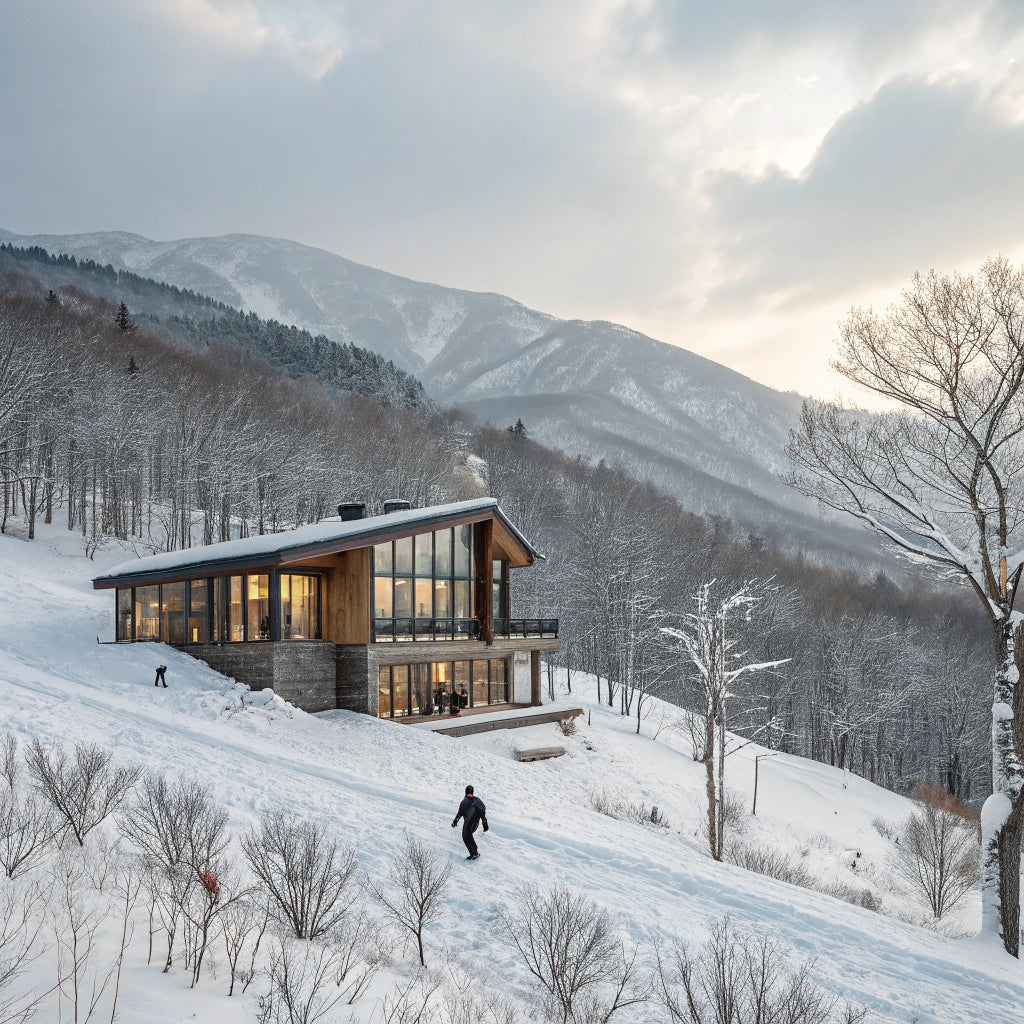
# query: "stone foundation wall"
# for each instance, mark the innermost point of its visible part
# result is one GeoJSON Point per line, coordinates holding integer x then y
{"type": "Point", "coordinates": [357, 679]}
{"type": "Point", "coordinates": [301, 671]}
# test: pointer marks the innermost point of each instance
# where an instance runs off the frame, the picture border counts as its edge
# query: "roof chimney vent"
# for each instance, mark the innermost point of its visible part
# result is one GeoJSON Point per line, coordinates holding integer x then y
{"type": "Point", "coordinates": [352, 510]}
{"type": "Point", "coordinates": [396, 505]}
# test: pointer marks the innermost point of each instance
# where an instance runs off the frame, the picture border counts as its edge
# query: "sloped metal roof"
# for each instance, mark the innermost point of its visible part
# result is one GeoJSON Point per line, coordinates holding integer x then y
{"type": "Point", "coordinates": [328, 536]}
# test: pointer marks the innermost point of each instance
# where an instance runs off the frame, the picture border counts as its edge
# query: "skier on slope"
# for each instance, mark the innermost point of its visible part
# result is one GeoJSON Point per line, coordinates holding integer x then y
{"type": "Point", "coordinates": [472, 812]}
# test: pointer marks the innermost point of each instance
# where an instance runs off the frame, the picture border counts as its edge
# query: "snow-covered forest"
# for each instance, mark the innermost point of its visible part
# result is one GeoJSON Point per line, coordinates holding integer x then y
{"type": "Point", "coordinates": [136, 436]}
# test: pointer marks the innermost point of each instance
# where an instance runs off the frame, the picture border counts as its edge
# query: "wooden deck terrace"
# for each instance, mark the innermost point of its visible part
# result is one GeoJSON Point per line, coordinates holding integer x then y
{"type": "Point", "coordinates": [491, 717]}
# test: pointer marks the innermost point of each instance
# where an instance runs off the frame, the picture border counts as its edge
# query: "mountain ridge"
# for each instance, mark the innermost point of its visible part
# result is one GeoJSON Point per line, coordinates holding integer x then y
{"type": "Point", "coordinates": [595, 389]}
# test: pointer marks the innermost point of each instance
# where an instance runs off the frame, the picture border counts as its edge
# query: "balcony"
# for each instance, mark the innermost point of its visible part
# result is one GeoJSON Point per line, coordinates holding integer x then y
{"type": "Point", "coordinates": [513, 628]}
{"type": "Point", "coordinates": [404, 630]}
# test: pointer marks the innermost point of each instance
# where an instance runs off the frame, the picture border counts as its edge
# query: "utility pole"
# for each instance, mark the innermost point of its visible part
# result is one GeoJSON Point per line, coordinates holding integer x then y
{"type": "Point", "coordinates": [757, 764]}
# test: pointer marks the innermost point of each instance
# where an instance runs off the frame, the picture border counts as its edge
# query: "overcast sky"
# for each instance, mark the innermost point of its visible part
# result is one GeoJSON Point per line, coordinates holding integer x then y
{"type": "Point", "coordinates": [730, 177]}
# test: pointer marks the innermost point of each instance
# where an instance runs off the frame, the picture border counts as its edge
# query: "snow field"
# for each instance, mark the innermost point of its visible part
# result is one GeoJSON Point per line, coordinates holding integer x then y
{"type": "Point", "coordinates": [374, 782]}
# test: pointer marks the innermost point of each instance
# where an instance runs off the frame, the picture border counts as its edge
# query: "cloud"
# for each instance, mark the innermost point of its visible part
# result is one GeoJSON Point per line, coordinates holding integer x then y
{"type": "Point", "coordinates": [697, 32]}
{"type": "Point", "coordinates": [923, 174]}
{"type": "Point", "coordinates": [308, 35]}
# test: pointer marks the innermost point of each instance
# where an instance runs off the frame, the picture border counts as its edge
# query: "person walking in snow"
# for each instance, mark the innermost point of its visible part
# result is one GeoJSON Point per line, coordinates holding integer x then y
{"type": "Point", "coordinates": [160, 670]}
{"type": "Point", "coordinates": [472, 812]}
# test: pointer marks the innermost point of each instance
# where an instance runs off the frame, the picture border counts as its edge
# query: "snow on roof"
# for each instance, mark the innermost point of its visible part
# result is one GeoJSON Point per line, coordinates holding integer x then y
{"type": "Point", "coordinates": [271, 546]}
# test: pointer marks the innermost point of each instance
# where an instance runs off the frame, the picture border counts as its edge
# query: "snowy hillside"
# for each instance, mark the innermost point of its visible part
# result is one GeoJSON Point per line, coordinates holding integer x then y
{"type": "Point", "coordinates": [371, 782]}
{"type": "Point", "coordinates": [703, 432]}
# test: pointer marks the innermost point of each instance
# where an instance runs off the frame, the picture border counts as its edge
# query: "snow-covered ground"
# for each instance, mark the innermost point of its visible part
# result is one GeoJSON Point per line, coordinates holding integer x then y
{"type": "Point", "coordinates": [375, 782]}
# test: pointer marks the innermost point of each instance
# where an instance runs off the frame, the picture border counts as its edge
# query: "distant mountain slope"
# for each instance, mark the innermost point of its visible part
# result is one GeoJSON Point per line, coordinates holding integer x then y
{"type": "Point", "coordinates": [599, 390]}
{"type": "Point", "coordinates": [200, 320]}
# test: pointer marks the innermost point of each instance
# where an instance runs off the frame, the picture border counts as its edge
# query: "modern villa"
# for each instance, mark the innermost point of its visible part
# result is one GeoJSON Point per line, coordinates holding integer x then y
{"type": "Point", "coordinates": [386, 615]}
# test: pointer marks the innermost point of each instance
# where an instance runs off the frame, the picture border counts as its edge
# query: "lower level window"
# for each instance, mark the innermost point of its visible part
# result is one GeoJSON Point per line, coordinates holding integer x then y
{"type": "Point", "coordinates": [436, 688]}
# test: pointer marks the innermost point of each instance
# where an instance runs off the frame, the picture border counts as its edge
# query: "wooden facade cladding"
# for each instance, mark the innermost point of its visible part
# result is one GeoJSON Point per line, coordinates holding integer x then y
{"type": "Point", "coordinates": [483, 543]}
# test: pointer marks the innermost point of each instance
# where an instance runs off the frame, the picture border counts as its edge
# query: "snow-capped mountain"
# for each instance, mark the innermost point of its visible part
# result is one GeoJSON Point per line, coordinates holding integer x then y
{"type": "Point", "coordinates": [599, 390]}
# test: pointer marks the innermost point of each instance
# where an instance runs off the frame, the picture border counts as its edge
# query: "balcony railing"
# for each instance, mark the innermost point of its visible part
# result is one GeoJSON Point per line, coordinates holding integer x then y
{"type": "Point", "coordinates": [401, 630]}
{"type": "Point", "coordinates": [526, 628]}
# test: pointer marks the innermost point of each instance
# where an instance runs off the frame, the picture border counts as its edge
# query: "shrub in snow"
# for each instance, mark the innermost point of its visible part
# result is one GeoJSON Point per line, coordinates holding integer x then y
{"type": "Point", "coordinates": [414, 891]}
{"type": "Point", "coordinates": [84, 787]}
{"type": "Point", "coordinates": [571, 947]}
{"type": "Point", "coordinates": [305, 876]}
{"type": "Point", "coordinates": [737, 976]}
{"type": "Point", "coordinates": [766, 860]}
{"type": "Point", "coordinates": [938, 852]}
{"type": "Point", "coordinates": [886, 829]}
{"type": "Point", "coordinates": [623, 810]}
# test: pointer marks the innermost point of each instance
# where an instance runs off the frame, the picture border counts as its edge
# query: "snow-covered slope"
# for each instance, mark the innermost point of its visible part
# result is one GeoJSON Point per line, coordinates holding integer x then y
{"type": "Point", "coordinates": [374, 781]}
{"type": "Point", "coordinates": [600, 390]}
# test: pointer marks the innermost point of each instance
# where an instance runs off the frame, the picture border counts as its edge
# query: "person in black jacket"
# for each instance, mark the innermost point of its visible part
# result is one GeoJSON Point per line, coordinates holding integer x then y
{"type": "Point", "coordinates": [472, 812]}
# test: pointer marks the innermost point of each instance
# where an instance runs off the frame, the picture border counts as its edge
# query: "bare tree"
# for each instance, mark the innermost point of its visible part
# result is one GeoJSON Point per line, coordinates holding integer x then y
{"type": "Point", "coordinates": [301, 987]}
{"type": "Point", "coordinates": [243, 925]}
{"type": "Point", "coordinates": [175, 823]}
{"type": "Point", "coordinates": [27, 821]}
{"type": "Point", "coordinates": [21, 944]}
{"type": "Point", "coordinates": [739, 977]}
{"type": "Point", "coordinates": [710, 646]}
{"type": "Point", "coordinates": [304, 872]}
{"type": "Point", "coordinates": [938, 851]}
{"type": "Point", "coordinates": [83, 788]}
{"type": "Point", "coordinates": [941, 479]}
{"type": "Point", "coordinates": [414, 892]}
{"type": "Point", "coordinates": [78, 913]}
{"type": "Point", "coordinates": [569, 945]}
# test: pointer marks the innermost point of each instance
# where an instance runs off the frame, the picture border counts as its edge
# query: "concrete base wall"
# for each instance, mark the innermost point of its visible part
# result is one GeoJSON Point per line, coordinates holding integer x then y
{"type": "Point", "coordinates": [303, 672]}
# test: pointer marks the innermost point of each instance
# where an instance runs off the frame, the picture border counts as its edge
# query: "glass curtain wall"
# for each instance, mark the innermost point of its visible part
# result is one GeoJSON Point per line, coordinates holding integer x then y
{"type": "Point", "coordinates": [198, 612]}
{"type": "Point", "coordinates": [423, 587]}
{"type": "Point", "coordinates": [258, 625]}
{"type": "Point", "coordinates": [147, 613]}
{"type": "Point", "coordinates": [224, 609]}
{"type": "Point", "coordinates": [124, 614]}
{"type": "Point", "coordinates": [300, 607]}
{"type": "Point", "coordinates": [427, 688]}
{"type": "Point", "coordinates": [172, 613]}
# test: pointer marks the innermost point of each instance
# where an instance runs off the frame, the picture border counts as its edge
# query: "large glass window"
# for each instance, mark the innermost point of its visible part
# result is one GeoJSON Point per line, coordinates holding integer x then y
{"type": "Point", "coordinates": [419, 680]}
{"type": "Point", "coordinates": [480, 683]}
{"type": "Point", "coordinates": [172, 613]}
{"type": "Point", "coordinates": [124, 613]}
{"type": "Point", "coordinates": [147, 613]}
{"type": "Point", "coordinates": [258, 610]}
{"type": "Point", "coordinates": [443, 553]}
{"type": "Point", "coordinates": [400, 689]}
{"type": "Point", "coordinates": [403, 556]}
{"type": "Point", "coordinates": [425, 554]}
{"type": "Point", "coordinates": [499, 607]}
{"type": "Point", "coordinates": [236, 621]}
{"type": "Point", "coordinates": [423, 587]}
{"type": "Point", "coordinates": [499, 682]}
{"type": "Point", "coordinates": [463, 549]}
{"type": "Point", "coordinates": [427, 688]}
{"type": "Point", "coordinates": [198, 612]}
{"type": "Point", "coordinates": [384, 691]}
{"type": "Point", "coordinates": [383, 606]}
{"type": "Point", "coordinates": [300, 607]}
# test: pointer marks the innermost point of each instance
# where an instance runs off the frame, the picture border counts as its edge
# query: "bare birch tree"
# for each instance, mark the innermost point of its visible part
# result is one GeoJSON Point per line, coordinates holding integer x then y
{"type": "Point", "coordinates": [710, 646]}
{"type": "Point", "coordinates": [942, 480]}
